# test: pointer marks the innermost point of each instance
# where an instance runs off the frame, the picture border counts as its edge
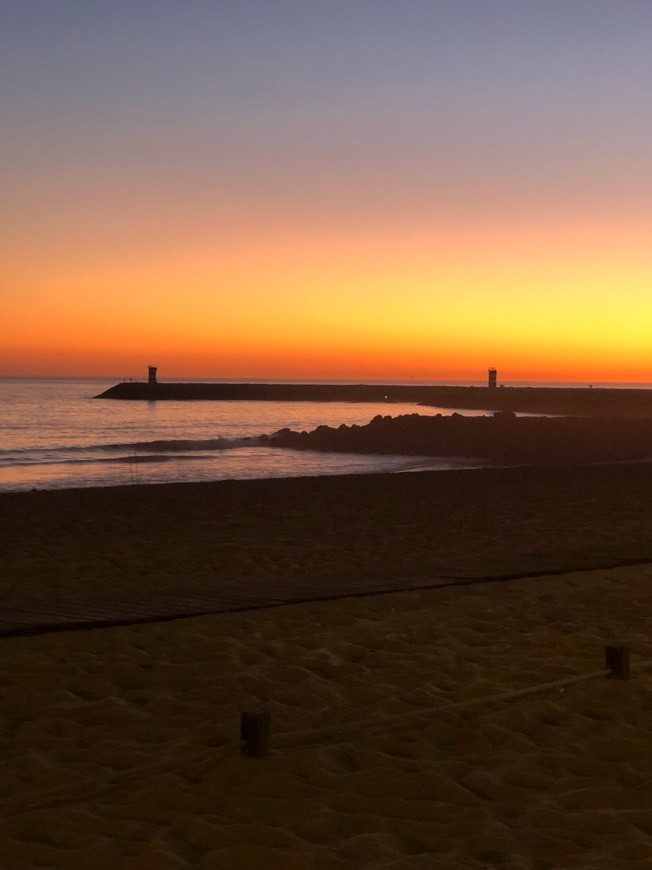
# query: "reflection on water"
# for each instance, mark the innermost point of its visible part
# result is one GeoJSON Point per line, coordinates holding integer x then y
{"type": "Point", "coordinates": [54, 434]}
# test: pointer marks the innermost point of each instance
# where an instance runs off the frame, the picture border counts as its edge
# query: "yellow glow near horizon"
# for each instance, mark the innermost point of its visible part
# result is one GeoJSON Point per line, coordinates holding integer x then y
{"type": "Point", "coordinates": [538, 302]}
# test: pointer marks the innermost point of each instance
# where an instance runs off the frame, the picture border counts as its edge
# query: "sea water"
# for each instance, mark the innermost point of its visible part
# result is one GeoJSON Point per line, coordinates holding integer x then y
{"type": "Point", "coordinates": [54, 434]}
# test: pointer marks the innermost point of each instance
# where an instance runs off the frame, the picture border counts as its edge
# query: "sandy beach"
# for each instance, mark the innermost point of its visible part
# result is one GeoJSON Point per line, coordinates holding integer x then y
{"type": "Point", "coordinates": [400, 735]}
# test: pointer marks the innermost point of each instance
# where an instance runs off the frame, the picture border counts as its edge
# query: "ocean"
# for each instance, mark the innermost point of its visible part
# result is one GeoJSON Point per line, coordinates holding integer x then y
{"type": "Point", "coordinates": [55, 435]}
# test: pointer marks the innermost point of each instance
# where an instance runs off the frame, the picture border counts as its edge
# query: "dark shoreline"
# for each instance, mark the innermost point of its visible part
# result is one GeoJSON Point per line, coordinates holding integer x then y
{"type": "Point", "coordinates": [580, 401]}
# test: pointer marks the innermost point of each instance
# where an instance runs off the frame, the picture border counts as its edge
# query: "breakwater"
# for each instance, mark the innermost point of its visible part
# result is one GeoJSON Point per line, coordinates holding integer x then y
{"type": "Point", "coordinates": [503, 438]}
{"type": "Point", "coordinates": [536, 400]}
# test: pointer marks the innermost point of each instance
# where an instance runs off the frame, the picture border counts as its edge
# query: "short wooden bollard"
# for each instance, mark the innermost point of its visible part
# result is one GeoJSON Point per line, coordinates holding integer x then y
{"type": "Point", "coordinates": [255, 733]}
{"type": "Point", "coordinates": [617, 661]}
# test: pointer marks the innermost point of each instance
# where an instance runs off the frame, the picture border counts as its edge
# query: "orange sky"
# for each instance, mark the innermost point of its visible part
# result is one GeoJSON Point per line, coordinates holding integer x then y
{"type": "Point", "coordinates": [539, 302]}
{"type": "Point", "coordinates": [199, 195]}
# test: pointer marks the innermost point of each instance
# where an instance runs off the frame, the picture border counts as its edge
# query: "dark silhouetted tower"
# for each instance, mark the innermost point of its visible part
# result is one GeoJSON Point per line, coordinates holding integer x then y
{"type": "Point", "coordinates": [152, 374]}
{"type": "Point", "coordinates": [492, 379]}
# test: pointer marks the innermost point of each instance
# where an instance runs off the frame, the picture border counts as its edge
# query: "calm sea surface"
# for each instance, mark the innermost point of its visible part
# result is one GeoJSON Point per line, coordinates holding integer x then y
{"type": "Point", "coordinates": [55, 435]}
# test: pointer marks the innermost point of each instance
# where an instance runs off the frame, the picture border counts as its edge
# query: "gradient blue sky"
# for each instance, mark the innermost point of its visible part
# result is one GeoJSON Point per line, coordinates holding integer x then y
{"type": "Point", "coordinates": [326, 188]}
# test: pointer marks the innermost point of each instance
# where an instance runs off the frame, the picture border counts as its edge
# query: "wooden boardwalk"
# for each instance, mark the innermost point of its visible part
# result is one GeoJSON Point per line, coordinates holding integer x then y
{"type": "Point", "coordinates": [78, 615]}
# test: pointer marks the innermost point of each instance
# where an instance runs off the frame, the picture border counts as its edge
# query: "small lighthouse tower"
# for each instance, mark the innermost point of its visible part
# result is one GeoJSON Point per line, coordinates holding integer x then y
{"type": "Point", "coordinates": [493, 374]}
{"type": "Point", "coordinates": [152, 375]}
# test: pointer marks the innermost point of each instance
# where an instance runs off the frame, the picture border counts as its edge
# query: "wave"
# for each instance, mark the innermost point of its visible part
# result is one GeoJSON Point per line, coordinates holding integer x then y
{"type": "Point", "coordinates": [178, 445]}
{"type": "Point", "coordinates": [129, 451]}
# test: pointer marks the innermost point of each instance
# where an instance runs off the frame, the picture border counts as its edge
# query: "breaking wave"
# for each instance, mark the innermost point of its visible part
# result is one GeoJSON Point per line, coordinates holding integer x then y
{"type": "Point", "coordinates": [179, 445]}
{"type": "Point", "coordinates": [142, 451]}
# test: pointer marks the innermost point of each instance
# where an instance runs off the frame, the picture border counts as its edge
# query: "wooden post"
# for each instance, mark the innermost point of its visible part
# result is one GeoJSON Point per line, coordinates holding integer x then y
{"type": "Point", "coordinates": [617, 661]}
{"type": "Point", "coordinates": [255, 733]}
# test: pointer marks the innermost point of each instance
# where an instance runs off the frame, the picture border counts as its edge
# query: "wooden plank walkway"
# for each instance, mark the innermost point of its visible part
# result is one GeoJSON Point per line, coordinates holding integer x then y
{"type": "Point", "coordinates": [31, 619]}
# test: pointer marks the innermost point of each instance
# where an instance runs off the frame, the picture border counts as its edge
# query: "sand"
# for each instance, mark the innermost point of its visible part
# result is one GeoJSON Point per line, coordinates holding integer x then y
{"type": "Point", "coordinates": [390, 747]}
{"type": "Point", "coordinates": [138, 549]}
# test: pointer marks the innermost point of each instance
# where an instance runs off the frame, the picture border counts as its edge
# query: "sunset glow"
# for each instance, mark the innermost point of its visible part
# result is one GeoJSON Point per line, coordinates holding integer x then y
{"type": "Point", "coordinates": [409, 190]}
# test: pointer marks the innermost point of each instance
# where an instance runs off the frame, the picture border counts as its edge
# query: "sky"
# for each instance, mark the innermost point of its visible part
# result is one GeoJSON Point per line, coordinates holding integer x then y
{"type": "Point", "coordinates": [358, 189]}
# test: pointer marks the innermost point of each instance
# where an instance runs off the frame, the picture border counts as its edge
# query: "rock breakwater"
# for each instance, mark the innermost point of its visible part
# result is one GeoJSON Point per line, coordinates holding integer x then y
{"type": "Point", "coordinates": [502, 437]}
